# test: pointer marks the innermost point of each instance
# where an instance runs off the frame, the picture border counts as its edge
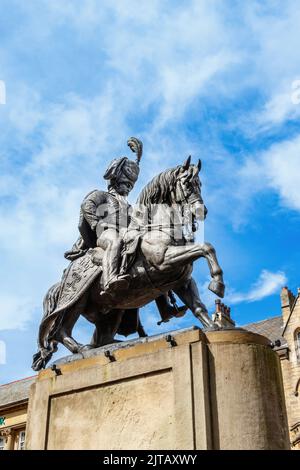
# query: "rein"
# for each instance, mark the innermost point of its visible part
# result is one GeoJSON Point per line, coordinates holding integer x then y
{"type": "Point", "coordinates": [187, 233]}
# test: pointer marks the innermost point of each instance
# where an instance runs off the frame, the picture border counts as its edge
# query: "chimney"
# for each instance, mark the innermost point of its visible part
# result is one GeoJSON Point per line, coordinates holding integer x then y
{"type": "Point", "coordinates": [287, 301]}
{"type": "Point", "coordinates": [222, 315]}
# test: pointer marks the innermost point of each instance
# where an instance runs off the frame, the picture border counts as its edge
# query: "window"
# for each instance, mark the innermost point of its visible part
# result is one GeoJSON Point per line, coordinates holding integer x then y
{"type": "Point", "coordinates": [297, 344]}
{"type": "Point", "coordinates": [2, 443]}
{"type": "Point", "coordinates": [21, 444]}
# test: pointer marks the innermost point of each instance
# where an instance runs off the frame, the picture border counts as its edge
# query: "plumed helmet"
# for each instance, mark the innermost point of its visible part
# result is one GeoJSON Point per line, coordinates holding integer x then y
{"type": "Point", "coordinates": [124, 166]}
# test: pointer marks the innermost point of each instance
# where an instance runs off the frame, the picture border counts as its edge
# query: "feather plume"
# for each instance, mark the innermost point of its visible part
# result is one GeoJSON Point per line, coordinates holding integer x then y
{"type": "Point", "coordinates": [137, 147]}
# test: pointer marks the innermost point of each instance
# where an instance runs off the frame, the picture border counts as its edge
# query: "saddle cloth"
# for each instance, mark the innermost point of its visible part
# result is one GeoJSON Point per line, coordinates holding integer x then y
{"type": "Point", "coordinates": [77, 277]}
{"type": "Point", "coordinates": [81, 272]}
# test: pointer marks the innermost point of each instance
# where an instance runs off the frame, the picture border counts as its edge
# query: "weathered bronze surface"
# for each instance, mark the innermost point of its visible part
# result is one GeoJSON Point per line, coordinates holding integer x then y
{"type": "Point", "coordinates": [128, 256]}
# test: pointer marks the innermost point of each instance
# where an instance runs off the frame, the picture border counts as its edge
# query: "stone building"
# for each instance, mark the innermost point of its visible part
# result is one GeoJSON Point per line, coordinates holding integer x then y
{"type": "Point", "coordinates": [13, 413]}
{"type": "Point", "coordinates": [282, 330]}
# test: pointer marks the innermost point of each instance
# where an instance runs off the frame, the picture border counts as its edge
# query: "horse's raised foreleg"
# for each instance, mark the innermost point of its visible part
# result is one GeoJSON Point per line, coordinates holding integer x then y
{"type": "Point", "coordinates": [176, 255]}
{"type": "Point", "coordinates": [216, 285]}
{"type": "Point", "coordinates": [189, 294]}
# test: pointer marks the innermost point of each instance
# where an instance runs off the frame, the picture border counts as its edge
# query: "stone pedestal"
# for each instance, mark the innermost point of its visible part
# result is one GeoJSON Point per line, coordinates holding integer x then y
{"type": "Point", "coordinates": [222, 390]}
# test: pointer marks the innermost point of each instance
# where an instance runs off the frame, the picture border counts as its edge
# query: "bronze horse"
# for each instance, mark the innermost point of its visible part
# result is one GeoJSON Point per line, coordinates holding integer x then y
{"type": "Point", "coordinates": [161, 260]}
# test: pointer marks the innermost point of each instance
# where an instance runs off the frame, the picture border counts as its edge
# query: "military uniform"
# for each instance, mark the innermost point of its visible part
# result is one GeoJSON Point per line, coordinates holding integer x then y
{"type": "Point", "coordinates": [104, 216]}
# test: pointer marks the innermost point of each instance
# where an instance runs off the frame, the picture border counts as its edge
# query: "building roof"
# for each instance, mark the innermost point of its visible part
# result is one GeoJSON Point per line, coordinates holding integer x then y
{"type": "Point", "coordinates": [272, 328]}
{"type": "Point", "coordinates": [296, 299]}
{"type": "Point", "coordinates": [15, 392]}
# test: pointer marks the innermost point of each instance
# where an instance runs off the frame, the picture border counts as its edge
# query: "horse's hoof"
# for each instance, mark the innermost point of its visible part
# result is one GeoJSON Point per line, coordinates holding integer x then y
{"type": "Point", "coordinates": [212, 327]}
{"type": "Point", "coordinates": [179, 311]}
{"type": "Point", "coordinates": [217, 288]}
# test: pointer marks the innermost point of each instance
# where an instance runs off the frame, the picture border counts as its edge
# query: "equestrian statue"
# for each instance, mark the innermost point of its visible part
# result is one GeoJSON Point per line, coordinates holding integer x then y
{"type": "Point", "coordinates": [126, 257]}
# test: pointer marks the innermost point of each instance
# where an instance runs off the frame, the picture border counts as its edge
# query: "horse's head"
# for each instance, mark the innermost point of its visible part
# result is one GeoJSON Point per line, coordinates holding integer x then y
{"type": "Point", "coordinates": [178, 186]}
{"type": "Point", "coordinates": [187, 188]}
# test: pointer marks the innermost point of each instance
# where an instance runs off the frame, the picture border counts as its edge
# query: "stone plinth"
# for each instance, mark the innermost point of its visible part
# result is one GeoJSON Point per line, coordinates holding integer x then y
{"type": "Point", "coordinates": [222, 390]}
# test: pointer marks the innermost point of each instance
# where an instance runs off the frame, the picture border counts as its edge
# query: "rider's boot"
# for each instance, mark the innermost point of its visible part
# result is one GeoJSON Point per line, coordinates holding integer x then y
{"type": "Point", "coordinates": [114, 278]}
{"type": "Point", "coordinates": [120, 280]}
{"type": "Point", "coordinates": [167, 310]}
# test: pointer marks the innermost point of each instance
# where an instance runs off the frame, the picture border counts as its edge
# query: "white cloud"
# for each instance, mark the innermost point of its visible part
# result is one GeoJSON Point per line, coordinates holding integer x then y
{"type": "Point", "coordinates": [2, 352]}
{"type": "Point", "coordinates": [15, 312]}
{"type": "Point", "coordinates": [2, 92]}
{"type": "Point", "coordinates": [275, 169]}
{"type": "Point", "coordinates": [274, 28]}
{"type": "Point", "coordinates": [278, 109]}
{"type": "Point", "coordinates": [281, 167]}
{"type": "Point", "coordinates": [268, 283]}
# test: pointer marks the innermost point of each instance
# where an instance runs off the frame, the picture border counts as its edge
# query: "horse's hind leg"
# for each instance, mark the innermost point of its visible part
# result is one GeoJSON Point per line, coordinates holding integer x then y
{"type": "Point", "coordinates": [106, 328]}
{"type": "Point", "coordinates": [189, 294]}
{"type": "Point", "coordinates": [64, 334]}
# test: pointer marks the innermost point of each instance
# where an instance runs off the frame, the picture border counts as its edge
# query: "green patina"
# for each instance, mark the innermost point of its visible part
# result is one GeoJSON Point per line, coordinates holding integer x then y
{"type": "Point", "coordinates": [2, 420]}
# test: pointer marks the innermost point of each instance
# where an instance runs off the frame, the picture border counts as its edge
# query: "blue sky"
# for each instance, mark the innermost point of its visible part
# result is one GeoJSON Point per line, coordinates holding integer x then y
{"type": "Point", "coordinates": [215, 79]}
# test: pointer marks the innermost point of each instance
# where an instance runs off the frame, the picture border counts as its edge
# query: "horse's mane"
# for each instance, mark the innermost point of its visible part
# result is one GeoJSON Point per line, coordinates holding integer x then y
{"type": "Point", "coordinates": [159, 190]}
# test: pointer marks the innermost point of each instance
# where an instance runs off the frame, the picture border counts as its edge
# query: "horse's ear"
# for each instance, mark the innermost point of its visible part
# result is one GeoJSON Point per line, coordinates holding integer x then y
{"type": "Point", "coordinates": [199, 165]}
{"type": "Point", "coordinates": [187, 163]}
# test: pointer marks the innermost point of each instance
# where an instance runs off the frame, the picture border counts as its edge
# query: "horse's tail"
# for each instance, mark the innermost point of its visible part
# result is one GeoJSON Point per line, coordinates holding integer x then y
{"type": "Point", "coordinates": [51, 299]}
{"type": "Point", "coordinates": [46, 346]}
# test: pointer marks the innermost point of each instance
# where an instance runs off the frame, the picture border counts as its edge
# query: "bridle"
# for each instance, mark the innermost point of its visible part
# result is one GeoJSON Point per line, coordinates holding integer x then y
{"type": "Point", "coordinates": [189, 223]}
{"type": "Point", "coordinates": [188, 201]}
